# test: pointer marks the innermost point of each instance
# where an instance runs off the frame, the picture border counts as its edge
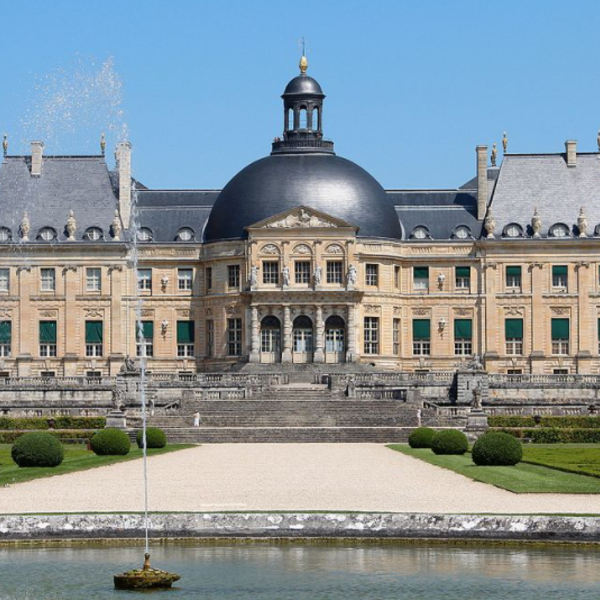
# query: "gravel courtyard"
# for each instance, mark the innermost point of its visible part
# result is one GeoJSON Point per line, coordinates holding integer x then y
{"type": "Point", "coordinates": [244, 477]}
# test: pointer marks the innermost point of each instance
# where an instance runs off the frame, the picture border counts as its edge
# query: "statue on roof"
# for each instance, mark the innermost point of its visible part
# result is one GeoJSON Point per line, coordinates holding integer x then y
{"type": "Point", "coordinates": [536, 223]}
{"type": "Point", "coordinates": [504, 142]}
{"type": "Point", "coordinates": [494, 154]}
{"type": "Point", "coordinates": [71, 227]}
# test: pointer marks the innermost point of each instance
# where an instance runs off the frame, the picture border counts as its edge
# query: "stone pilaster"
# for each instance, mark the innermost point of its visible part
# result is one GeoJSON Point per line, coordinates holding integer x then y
{"type": "Point", "coordinates": [286, 356]}
{"type": "Point", "coordinates": [585, 337]}
{"type": "Point", "coordinates": [116, 351]}
{"type": "Point", "coordinates": [319, 354]}
{"type": "Point", "coordinates": [71, 316]}
{"type": "Point", "coordinates": [538, 316]}
{"type": "Point", "coordinates": [351, 353]}
{"type": "Point", "coordinates": [254, 336]}
{"type": "Point", "coordinates": [26, 324]}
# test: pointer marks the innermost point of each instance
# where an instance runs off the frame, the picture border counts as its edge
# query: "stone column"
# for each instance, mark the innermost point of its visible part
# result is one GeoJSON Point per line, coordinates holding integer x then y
{"type": "Point", "coordinates": [319, 354]}
{"type": "Point", "coordinates": [286, 356]}
{"type": "Point", "coordinates": [255, 336]}
{"type": "Point", "coordinates": [26, 324]}
{"type": "Point", "coordinates": [351, 353]}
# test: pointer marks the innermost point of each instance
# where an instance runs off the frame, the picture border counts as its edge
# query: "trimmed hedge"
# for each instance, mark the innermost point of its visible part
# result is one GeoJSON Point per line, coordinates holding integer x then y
{"type": "Point", "coordinates": [110, 442]}
{"type": "Point", "coordinates": [8, 437]}
{"type": "Point", "coordinates": [421, 437]}
{"type": "Point", "coordinates": [37, 450]}
{"type": "Point", "coordinates": [553, 435]}
{"type": "Point", "coordinates": [497, 448]}
{"type": "Point", "coordinates": [59, 423]}
{"type": "Point", "coordinates": [155, 438]}
{"type": "Point", "coordinates": [581, 422]}
{"type": "Point", "coordinates": [449, 441]}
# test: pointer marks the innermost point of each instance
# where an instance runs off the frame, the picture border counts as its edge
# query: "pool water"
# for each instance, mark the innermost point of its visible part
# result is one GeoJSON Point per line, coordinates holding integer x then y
{"type": "Point", "coordinates": [262, 571]}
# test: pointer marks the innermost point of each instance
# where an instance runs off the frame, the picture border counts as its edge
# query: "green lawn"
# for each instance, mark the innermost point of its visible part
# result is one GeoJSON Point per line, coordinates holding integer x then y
{"type": "Point", "coordinates": [522, 478]}
{"type": "Point", "coordinates": [77, 458]}
{"type": "Point", "coordinates": [574, 458]}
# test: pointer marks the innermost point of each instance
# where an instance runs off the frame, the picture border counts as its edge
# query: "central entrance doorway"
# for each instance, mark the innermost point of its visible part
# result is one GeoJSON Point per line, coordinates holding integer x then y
{"type": "Point", "coordinates": [302, 340]}
{"type": "Point", "coordinates": [335, 340]}
{"type": "Point", "coordinates": [270, 340]}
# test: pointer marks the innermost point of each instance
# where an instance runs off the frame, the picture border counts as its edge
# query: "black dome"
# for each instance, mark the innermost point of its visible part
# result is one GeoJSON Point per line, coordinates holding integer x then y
{"type": "Point", "coordinates": [280, 182]}
{"type": "Point", "coordinates": [303, 84]}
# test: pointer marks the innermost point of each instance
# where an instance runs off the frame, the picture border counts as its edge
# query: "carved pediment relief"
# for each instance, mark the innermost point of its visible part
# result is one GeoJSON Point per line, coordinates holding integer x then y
{"type": "Point", "coordinates": [301, 217]}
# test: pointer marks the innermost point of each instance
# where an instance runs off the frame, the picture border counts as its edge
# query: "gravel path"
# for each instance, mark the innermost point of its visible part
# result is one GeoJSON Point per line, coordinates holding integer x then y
{"type": "Point", "coordinates": [242, 477]}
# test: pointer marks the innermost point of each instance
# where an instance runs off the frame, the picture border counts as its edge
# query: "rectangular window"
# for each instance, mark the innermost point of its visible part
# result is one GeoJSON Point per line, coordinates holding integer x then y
{"type": "Point", "coordinates": [560, 277]}
{"type": "Point", "coordinates": [145, 279]}
{"type": "Point", "coordinates": [302, 271]}
{"type": "Point", "coordinates": [421, 337]}
{"type": "Point", "coordinates": [514, 371]}
{"type": "Point", "coordinates": [372, 274]}
{"type": "Point", "coordinates": [463, 278]}
{"type": "Point", "coordinates": [513, 334]}
{"type": "Point", "coordinates": [234, 337]}
{"type": "Point", "coordinates": [513, 277]}
{"type": "Point", "coordinates": [463, 337]}
{"type": "Point", "coordinates": [5, 338]}
{"type": "Point", "coordinates": [210, 338]}
{"type": "Point", "coordinates": [144, 338]}
{"type": "Point", "coordinates": [47, 338]}
{"type": "Point", "coordinates": [185, 279]}
{"type": "Point", "coordinates": [334, 271]}
{"type": "Point", "coordinates": [271, 272]}
{"type": "Point", "coordinates": [233, 277]}
{"type": "Point", "coordinates": [208, 279]}
{"type": "Point", "coordinates": [4, 280]}
{"type": "Point", "coordinates": [93, 338]}
{"type": "Point", "coordinates": [397, 277]}
{"type": "Point", "coordinates": [421, 278]}
{"type": "Point", "coordinates": [396, 337]}
{"type": "Point", "coordinates": [371, 335]}
{"type": "Point", "coordinates": [560, 372]}
{"type": "Point", "coordinates": [560, 336]}
{"type": "Point", "coordinates": [48, 280]}
{"type": "Point", "coordinates": [93, 280]}
{"type": "Point", "coordinates": [185, 339]}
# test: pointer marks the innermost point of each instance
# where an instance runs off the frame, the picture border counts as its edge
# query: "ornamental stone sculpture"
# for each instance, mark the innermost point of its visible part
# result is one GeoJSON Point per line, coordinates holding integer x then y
{"type": "Point", "coordinates": [25, 227]}
{"type": "Point", "coordinates": [71, 227]}
{"type": "Point", "coordinates": [582, 223]}
{"type": "Point", "coordinates": [116, 227]}
{"type": "Point", "coordinates": [490, 224]}
{"type": "Point", "coordinates": [317, 275]}
{"type": "Point", "coordinates": [536, 223]}
{"type": "Point", "coordinates": [352, 275]}
{"type": "Point", "coordinates": [286, 276]}
{"type": "Point", "coordinates": [494, 154]}
{"type": "Point", "coordinates": [504, 142]}
{"type": "Point", "coordinates": [254, 277]}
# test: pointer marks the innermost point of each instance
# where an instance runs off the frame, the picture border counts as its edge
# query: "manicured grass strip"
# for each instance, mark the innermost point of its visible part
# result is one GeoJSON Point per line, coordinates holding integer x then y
{"type": "Point", "coordinates": [522, 478]}
{"type": "Point", "coordinates": [572, 458]}
{"type": "Point", "coordinates": [77, 458]}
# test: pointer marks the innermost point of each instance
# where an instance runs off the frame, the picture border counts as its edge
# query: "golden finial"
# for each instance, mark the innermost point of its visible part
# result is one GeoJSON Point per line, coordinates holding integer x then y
{"type": "Point", "coordinates": [504, 142]}
{"type": "Point", "coordinates": [494, 154]}
{"type": "Point", "coordinates": [103, 144]}
{"type": "Point", "coordinates": [303, 60]}
{"type": "Point", "coordinates": [5, 144]}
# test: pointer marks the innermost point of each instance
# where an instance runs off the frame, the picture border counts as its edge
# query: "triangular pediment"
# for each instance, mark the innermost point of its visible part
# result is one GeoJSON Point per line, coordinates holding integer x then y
{"type": "Point", "coordinates": [300, 217]}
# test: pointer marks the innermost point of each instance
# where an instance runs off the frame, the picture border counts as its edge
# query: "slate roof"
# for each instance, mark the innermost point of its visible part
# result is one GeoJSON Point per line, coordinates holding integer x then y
{"type": "Point", "coordinates": [544, 180]}
{"type": "Point", "coordinates": [78, 183]}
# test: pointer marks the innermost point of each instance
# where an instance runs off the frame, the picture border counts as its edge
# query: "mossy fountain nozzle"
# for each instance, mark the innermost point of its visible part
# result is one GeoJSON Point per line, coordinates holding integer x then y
{"type": "Point", "coordinates": [145, 578]}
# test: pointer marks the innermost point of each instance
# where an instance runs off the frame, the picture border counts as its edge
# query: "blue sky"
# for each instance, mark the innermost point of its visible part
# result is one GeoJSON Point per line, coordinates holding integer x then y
{"type": "Point", "coordinates": [412, 87]}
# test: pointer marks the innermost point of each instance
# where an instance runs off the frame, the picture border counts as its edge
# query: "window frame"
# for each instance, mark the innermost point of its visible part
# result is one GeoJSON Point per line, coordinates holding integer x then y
{"type": "Point", "coordinates": [185, 283]}
{"type": "Point", "coordinates": [371, 336]}
{"type": "Point", "coordinates": [270, 271]}
{"type": "Point", "coordinates": [144, 278]}
{"type": "Point", "coordinates": [234, 336]}
{"type": "Point", "coordinates": [372, 274]}
{"type": "Point", "coordinates": [5, 276]}
{"type": "Point", "coordinates": [44, 279]}
{"type": "Point", "coordinates": [302, 275]}
{"type": "Point", "coordinates": [93, 275]}
{"type": "Point", "coordinates": [233, 277]}
{"type": "Point", "coordinates": [334, 272]}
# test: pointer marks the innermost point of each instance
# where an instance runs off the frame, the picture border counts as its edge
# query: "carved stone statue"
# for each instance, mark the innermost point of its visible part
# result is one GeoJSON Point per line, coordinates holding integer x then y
{"type": "Point", "coordinates": [476, 403]}
{"type": "Point", "coordinates": [441, 278]}
{"type": "Point", "coordinates": [317, 274]}
{"type": "Point", "coordinates": [25, 227]}
{"type": "Point", "coordinates": [253, 276]}
{"type": "Point", "coordinates": [352, 275]}
{"type": "Point", "coordinates": [129, 366]}
{"type": "Point", "coordinates": [582, 223]}
{"type": "Point", "coordinates": [285, 272]}
{"type": "Point", "coordinates": [116, 226]}
{"type": "Point", "coordinates": [504, 142]}
{"type": "Point", "coordinates": [536, 223]}
{"type": "Point", "coordinates": [494, 155]}
{"type": "Point", "coordinates": [71, 227]}
{"type": "Point", "coordinates": [490, 224]}
{"type": "Point", "coordinates": [117, 399]}
{"type": "Point", "coordinates": [475, 364]}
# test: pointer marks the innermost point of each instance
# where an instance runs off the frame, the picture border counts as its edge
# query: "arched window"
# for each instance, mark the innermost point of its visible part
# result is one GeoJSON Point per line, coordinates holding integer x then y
{"type": "Point", "coordinates": [559, 230]}
{"type": "Point", "coordinates": [47, 234]}
{"type": "Point", "coordinates": [185, 234]}
{"type": "Point", "coordinates": [5, 234]}
{"type": "Point", "coordinates": [93, 234]}
{"type": "Point", "coordinates": [144, 235]}
{"type": "Point", "coordinates": [303, 118]}
{"type": "Point", "coordinates": [315, 119]}
{"type": "Point", "coordinates": [290, 120]}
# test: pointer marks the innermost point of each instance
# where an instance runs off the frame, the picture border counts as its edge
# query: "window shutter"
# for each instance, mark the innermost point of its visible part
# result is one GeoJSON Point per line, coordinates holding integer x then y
{"type": "Point", "coordinates": [463, 271]}
{"type": "Point", "coordinates": [421, 272]}
{"type": "Point", "coordinates": [421, 329]}
{"type": "Point", "coordinates": [560, 329]}
{"type": "Point", "coordinates": [559, 270]}
{"type": "Point", "coordinates": [513, 271]}
{"type": "Point", "coordinates": [147, 330]}
{"type": "Point", "coordinates": [185, 332]}
{"type": "Point", "coordinates": [463, 329]}
{"type": "Point", "coordinates": [513, 328]}
{"type": "Point", "coordinates": [48, 332]}
{"type": "Point", "coordinates": [5, 332]}
{"type": "Point", "coordinates": [93, 332]}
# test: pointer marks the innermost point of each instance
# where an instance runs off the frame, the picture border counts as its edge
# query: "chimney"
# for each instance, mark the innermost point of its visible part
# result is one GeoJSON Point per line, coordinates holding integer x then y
{"type": "Point", "coordinates": [571, 147]}
{"type": "Point", "coordinates": [37, 151]}
{"type": "Point", "coordinates": [123, 158]}
{"type": "Point", "coordinates": [482, 181]}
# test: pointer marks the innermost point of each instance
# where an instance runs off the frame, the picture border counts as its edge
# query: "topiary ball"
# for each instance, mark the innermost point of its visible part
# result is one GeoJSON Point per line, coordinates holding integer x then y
{"type": "Point", "coordinates": [155, 438]}
{"type": "Point", "coordinates": [497, 448]}
{"type": "Point", "coordinates": [421, 437]}
{"type": "Point", "coordinates": [37, 450]}
{"type": "Point", "coordinates": [110, 442]}
{"type": "Point", "coordinates": [449, 441]}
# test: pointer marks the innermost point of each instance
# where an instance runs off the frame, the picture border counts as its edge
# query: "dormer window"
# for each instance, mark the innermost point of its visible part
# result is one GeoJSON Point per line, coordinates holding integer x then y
{"type": "Point", "coordinates": [560, 230]}
{"type": "Point", "coordinates": [185, 234]}
{"type": "Point", "coordinates": [420, 233]}
{"type": "Point", "coordinates": [462, 232]}
{"type": "Point", "coordinates": [47, 234]}
{"type": "Point", "coordinates": [144, 235]}
{"type": "Point", "coordinates": [513, 231]}
{"type": "Point", "coordinates": [5, 235]}
{"type": "Point", "coordinates": [93, 234]}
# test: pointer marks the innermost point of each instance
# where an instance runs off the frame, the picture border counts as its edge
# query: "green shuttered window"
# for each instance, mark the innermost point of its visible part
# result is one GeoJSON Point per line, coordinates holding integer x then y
{"type": "Point", "coordinates": [513, 328]}
{"type": "Point", "coordinates": [421, 272]}
{"type": "Point", "coordinates": [421, 329]}
{"type": "Point", "coordinates": [560, 329]}
{"type": "Point", "coordinates": [559, 270]}
{"type": "Point", "coordinates": [513, 271]}
{"type": "Point", "coordinates": [185, 332]}
{"type": "Point", "coordinates": [463, 271]}
{"type": "Point", "coordinates": [93, 332]}
{"type": "Point", "coordinates": [463, 329]}
{"type": "Point", "coordinates": [147, 330]}
{"type": "Point", "coordinates": [5, 332]}
{"type": "Point", "coordinates": [47, 332]}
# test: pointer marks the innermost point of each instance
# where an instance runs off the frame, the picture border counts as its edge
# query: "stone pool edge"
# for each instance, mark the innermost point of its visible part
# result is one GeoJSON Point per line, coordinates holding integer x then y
{"type": "Point", "coordinates": [545, 528]}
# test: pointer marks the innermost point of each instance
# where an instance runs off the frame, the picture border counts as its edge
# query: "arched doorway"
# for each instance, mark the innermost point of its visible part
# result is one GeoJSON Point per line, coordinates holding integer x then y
{"type": "Point", "coordinates": [270, 340]}
{"type": "Point", "coordinates": [302, 340]}
{"type": "Point", "coordinates": [335, 339]}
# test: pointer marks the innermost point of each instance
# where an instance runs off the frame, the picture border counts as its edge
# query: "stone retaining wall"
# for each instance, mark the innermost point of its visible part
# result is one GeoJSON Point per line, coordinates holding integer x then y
{"type": "Point", "coordinates": [293, 525]}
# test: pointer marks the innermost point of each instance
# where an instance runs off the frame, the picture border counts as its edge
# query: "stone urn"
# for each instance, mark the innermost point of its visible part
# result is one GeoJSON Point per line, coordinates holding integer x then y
{"type": "Point", "coordinates": [25, 227]}
{"type": "Point", "coordinates": [71, 227]}
{"type": "Point", "coordinates": [582, 223]}
{"type": "Point", "coordinates": [536, 223]}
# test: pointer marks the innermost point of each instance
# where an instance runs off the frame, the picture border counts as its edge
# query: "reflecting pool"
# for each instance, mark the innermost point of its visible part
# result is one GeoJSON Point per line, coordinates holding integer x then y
{"type": "Point", "coordinates": [294, 571]}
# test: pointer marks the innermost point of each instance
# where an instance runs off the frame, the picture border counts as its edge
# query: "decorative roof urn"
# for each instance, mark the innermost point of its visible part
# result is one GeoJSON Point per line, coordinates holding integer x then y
{"type": "Point", "coordinates": [71, 227]}
{"type": "Point", "coordinates": [536, 223]}
{"type": "Point", "coordinates": [25, 227]}
{"type": "Point", "coordinates": [582, 223]}
{"type": "Point", "coordinates": [490, 225]}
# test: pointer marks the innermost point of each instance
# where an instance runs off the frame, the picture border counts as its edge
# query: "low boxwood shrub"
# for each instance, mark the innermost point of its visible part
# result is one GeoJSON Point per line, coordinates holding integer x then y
{"type": "Point", "coordinates": [552, 435]}
{"type": "Point", "coordinates": [421, 437]}
{"type": "Point", "coordinates": [155, 438]}
{"type": "Point", "coordinates": [37, 450]}
{"type": "Point", "coordinates": [449, 441]}
{"type": "Point", "coordinates": [497, 448]}
{"type": "Point", "coordinates": [576, 422]}
{"type": "Point", "coordinates": [110, 442]}
{"type": "Point", "coordinates": [11, 423]}
{"type": "Point", "coordinates": [65, 435]}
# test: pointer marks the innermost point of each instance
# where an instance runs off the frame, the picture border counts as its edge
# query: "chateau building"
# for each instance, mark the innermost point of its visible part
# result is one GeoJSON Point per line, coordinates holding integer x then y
{"type": "Point", "coordinates": [301, 258]}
